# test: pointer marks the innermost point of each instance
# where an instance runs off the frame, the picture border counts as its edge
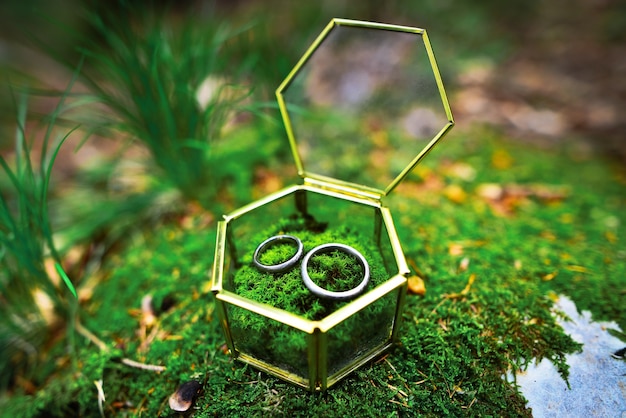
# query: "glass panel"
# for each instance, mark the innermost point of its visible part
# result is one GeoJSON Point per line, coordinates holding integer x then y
{"type": "Point", "coordinates": [243, 232]}
{"type": "Point", "coordinates": [244, 227]}
{"type": "Point", "coordinates": [228, 263]}
{"type": "Point", "coordinates": [358, 335]}
{"type": "Point", "coordinates": [364, 105]}
{"type": "Point", "coordinates": [362, 218]}
{"type": "Point", "coordinates": [336, 212]}
{"type": "Point", "coordinates": [386, 250]}
{"type": "Point", "coordinates": [270, 341]}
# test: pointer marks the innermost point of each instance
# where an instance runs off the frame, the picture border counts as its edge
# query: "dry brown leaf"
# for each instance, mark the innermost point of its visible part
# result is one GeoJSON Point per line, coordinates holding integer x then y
{"type": "Point", "coordinates": [442, 324]}
{"type": "Point", "coordinates": [504, 199]}
{"type": "Point", "coordinates": [417, 286]}
{"type": "Point", "coordinates": [184, 396]}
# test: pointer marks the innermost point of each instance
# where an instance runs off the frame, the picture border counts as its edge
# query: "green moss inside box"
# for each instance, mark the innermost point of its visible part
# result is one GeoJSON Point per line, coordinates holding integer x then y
{"type": "Point", "coordinates": [273, 322]}
{"type": "Point", "coordinates": [335, 271]}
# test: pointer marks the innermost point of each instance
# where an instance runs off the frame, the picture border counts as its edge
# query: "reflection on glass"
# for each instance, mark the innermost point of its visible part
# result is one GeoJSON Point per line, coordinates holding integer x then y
{"type": "Point", "coordinates": [360, 334]}
{"type": "Point", "coordinates": [364, 105]}
{"type": "Point", "coordinates": [269, 341]}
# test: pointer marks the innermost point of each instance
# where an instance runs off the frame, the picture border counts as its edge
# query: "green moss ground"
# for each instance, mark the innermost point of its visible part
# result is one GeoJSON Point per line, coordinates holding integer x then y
{"type": "Point", "coordinates": [493, 259]}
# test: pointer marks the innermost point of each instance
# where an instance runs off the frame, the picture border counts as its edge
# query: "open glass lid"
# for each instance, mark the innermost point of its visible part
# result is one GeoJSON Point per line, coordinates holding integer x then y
{"type": "Point", "coordinates": [364, 105]}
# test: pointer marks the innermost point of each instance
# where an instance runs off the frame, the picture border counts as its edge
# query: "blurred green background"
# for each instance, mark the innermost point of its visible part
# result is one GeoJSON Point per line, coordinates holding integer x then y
{"type": "Point", "coordinates": [558, 63]}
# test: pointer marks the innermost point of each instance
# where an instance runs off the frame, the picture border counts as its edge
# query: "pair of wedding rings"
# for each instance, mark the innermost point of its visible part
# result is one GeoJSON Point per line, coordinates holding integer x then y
{"type": "Point", "coordinates": [308, 282]}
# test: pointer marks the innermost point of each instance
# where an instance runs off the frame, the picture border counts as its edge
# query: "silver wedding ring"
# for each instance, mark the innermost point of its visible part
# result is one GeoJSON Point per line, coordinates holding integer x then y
{"type": "Point", "coordinates": [327, 294]}
{"type": "Point", "coordinates": [286, 265]}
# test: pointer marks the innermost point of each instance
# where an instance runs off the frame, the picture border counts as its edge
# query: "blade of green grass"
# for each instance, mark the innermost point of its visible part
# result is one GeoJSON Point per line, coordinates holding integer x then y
{"type": "Point", "coordinates": [66, 279]}
{"type": "Point", "coordinates": [26, 238]}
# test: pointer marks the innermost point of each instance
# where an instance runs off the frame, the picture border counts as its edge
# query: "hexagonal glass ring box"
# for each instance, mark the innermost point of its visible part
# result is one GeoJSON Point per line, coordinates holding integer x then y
{"type": "Point", "coordinates": [361, 109]}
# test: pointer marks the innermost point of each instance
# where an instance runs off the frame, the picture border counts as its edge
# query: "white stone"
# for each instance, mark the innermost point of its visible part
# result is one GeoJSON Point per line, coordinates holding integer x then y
{"type": "Point", "coordinates": [597, 380]}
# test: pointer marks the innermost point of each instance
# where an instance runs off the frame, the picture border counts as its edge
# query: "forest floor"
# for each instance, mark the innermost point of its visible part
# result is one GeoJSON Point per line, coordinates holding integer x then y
{"type": "Point", "coordinates": [518, 211]}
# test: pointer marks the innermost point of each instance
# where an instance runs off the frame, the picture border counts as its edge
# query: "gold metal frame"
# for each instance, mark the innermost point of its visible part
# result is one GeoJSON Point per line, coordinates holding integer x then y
{"type": "Point", "coordinates": [350, 187]}
{"type": "Point", "coordinates": [317, 330]}
{"type": "Point", "coordinates": [395, 286]}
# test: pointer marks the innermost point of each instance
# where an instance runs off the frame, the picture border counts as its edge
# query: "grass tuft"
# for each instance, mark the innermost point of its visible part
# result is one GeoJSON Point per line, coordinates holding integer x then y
{"type": "Point", "coordinates": [167, 85]}
{"type": "Point", "coordinates": [30, 302]}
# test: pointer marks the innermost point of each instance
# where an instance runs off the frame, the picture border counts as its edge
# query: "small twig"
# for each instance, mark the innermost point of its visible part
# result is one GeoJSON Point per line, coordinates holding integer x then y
{"type": "Point", "coordinates": [105, 348]}
{"type": "Point", "coordinates": [404, 404]}
{"type": "Point", "coordinates": [91, 337]}
{"type": "Point", "coordinates": [143, 366]}
{"type": "Point", "coordinates": [394, 369]}
{"type": "Point", "coordinates": [398, 391]}
{"type": "Point", "coordinates": [422, 373]}
{"type": "Point", "coordinates": [390, 365]}
{"type": "Point", "coordinates": [470, 405]}
{"type": "Point", "coordinates": [250, 382]}
{"type": "Point", "coordinates": [149, 338]}
{"type": "Point", "coordinates": [383, 358]}
{"type": "Point", "coordinates": [101, 398]}
{"type": "Point", "coordinates": [450, 392]}
{"type": "Point", "coordinates": [443, 300]}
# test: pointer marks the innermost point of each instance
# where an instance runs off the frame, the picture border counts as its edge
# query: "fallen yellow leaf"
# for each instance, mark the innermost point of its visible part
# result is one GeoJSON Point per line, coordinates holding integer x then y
{"type": "Point", "coordinates": [455, 193]}
{"type": "Point", "coordinates": [579, 269]}
{"type": "Point", "coordinates": [417, 286]}
{"type": "Point", "coordinates": [610, 237]}
{"type": "Point", "coordinates": [455, 249]}
{"type": "Point", "coordinates": [501, 159]}
{"type": "Point", "coordinates": [465, 291]}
